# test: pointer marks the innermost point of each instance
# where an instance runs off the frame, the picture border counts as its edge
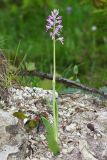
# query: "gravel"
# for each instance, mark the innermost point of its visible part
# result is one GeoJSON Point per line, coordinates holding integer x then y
{"type": "Point", "coordinates": [77, 142]}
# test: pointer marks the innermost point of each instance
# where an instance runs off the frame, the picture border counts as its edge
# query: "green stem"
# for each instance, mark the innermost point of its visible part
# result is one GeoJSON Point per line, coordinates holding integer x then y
{"type": "Point", "coordinates": [55, 112]}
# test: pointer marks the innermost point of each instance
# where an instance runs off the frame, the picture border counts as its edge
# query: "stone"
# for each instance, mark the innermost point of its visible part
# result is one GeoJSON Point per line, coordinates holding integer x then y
{"type": "Point", "coordinates": [42, 137]}
{"type": "Point", "coordinates": [104, 154]}
{"type": "Point", "coordinates": [49, 155]}
{"type": "Point", "coordinates": [70, 149]}
{"type": "Point", "coordinates": [43, 158]}
{"type": "Point", "coordinates": [102, 118]}
{"type": "Point", "coordinates": [84, 149]}
{"type": "Point", "coordinates": [12, 139]}
{"type": "Point", "coordinates": [71, 127]}
{"type": "Point", "coordinates": [65, 146]}
{"type": "Point", "coordinates": [64, 151]}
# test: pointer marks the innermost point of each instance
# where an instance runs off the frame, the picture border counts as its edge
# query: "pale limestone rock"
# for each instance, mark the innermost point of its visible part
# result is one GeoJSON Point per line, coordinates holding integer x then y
{"type": "Point", "coordinates": [11, 138]}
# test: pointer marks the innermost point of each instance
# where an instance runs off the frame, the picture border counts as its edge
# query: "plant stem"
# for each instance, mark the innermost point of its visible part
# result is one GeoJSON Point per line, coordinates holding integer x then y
{"type": "Point", "coordinates": [55, 112]}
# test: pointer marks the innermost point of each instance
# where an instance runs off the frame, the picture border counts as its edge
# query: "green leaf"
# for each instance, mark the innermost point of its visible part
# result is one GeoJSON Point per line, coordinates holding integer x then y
{"type": "Point", "coordinates": [71, 78]}
{"type": "Point", "coordinates": [45, 84]}
{"type": "Point", "coordinates": [30, 66]}
{"type": "Point", "coordinates": [77, 80]}
{"type": "Point", "coordinates": [70, 90]}
{"type": "Point", "coordinates": [30, 124]}
{"type": "Point", "coordinates": [20, 115]}
{"type": "Point", "coordinates": [52, 144]}
{"type": "Point", "coordinates": [56, 115]}
{"type": "Point", "coordinates": [75, 70]}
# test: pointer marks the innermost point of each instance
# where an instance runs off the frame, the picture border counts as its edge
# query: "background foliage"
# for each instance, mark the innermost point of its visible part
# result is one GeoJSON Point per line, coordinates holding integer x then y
{"type": "Point", "coordinates": [22, 32]}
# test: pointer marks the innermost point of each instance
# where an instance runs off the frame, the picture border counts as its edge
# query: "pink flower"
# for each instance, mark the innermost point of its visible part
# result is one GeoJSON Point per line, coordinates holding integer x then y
{"type": "Point", "coordinates": [54, 25]}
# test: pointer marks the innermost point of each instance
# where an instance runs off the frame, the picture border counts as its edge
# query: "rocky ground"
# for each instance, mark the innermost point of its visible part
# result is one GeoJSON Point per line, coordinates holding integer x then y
{"type": "Point", "coordinates": [82, 126]}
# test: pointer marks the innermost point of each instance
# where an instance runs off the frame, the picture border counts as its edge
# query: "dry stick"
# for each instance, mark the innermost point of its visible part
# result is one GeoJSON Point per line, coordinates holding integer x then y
{"type": "Point", "coordinates": [64, 81]}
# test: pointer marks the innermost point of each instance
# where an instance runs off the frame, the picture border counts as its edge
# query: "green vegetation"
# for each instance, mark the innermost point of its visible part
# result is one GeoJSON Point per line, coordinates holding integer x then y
{"type": "Point", "coordinates": [39, 119]}
{"type": "Point", "coordinates": [22, 31]}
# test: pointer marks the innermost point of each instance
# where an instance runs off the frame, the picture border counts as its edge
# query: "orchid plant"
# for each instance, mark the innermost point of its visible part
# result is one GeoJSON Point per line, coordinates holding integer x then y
{"type": "Point", "coordinates": [54, 26]}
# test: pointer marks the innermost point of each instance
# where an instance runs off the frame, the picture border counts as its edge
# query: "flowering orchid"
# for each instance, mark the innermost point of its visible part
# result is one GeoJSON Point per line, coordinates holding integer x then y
{"type": "Point", "coordinates": [54, 24]}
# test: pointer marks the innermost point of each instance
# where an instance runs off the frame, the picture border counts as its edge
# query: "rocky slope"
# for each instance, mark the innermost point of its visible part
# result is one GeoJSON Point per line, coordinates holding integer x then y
{"type": "Point", "coordinates": [82, 126]}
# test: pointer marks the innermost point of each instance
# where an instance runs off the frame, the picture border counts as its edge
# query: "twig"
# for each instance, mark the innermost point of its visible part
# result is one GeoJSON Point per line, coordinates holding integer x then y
{"type": "Point", "coordinates": [64, 81]}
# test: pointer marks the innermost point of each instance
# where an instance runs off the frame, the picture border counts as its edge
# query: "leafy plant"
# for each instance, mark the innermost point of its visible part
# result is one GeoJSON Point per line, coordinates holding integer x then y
{"type": "Point", "coordinates": [54, 25]}
{"type": "Point", "coordinates": [40, 118]}
{"type": "Point", "coordinates": [10, 70]}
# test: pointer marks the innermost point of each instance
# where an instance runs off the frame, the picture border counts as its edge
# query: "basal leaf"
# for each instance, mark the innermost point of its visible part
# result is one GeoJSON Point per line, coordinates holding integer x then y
{"type": "Point", "coordinates": [20, 115]}
{"type": "Point", "coordinates": [56, 114]}
{"type": "Point", "coordinates": [52, 144]}
{"type": "Point", "coordinates": [30, 125]}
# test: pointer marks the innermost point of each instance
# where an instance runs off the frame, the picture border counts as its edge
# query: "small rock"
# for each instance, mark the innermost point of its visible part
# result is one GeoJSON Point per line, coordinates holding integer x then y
{"type": "Point", "coordinates": [60, 155]}
{"type": "Point", "coordinates": [64, 151]}
{"type": "Point", "coordinates": [70, 149]}
{"type": "Point", "coordinates": [71, 127]}
{"type": "Point", "coordinates": [43, 158]}
{"type": "Point", "coordinates": [78, 134]}
{"type": "Point", "coordinates": [49, 155]}
{"type": "Point", "coordinates": [102, 118]}
{"type": "Point", "coordinates": [104, 154]}
{"type": "Point", "coordinates": [9, 148]}
{"type": "Point", "coordinates": [67, 115]}
{"type": "Point", "coordinates": [65, 146]}
{"type": "Point", "coordinates": [95, 136]}
{"type": "Point", "coordinates": [42, 137]}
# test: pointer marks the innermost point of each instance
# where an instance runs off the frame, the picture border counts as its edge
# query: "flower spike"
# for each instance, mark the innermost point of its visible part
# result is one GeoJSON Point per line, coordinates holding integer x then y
{"type": "Point", "coordinates": [54, 25]}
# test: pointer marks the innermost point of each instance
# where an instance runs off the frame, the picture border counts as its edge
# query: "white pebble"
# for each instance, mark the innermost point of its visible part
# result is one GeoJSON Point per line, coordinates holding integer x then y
{"type": "Point", "coordinates": [64, 151]}
{"type": "Point", "coordinates": [43, 158]}
{"type": "Point", "coordinates": [49, 155]}
{"type": "Point", "coordinates": [65, 146]}
{"type": "Point", "coordinates": [71, 127]}
{"type": "Point", "coordinates": [42, 137]}
{"type": "Point", "coordinates": [70, 149]}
